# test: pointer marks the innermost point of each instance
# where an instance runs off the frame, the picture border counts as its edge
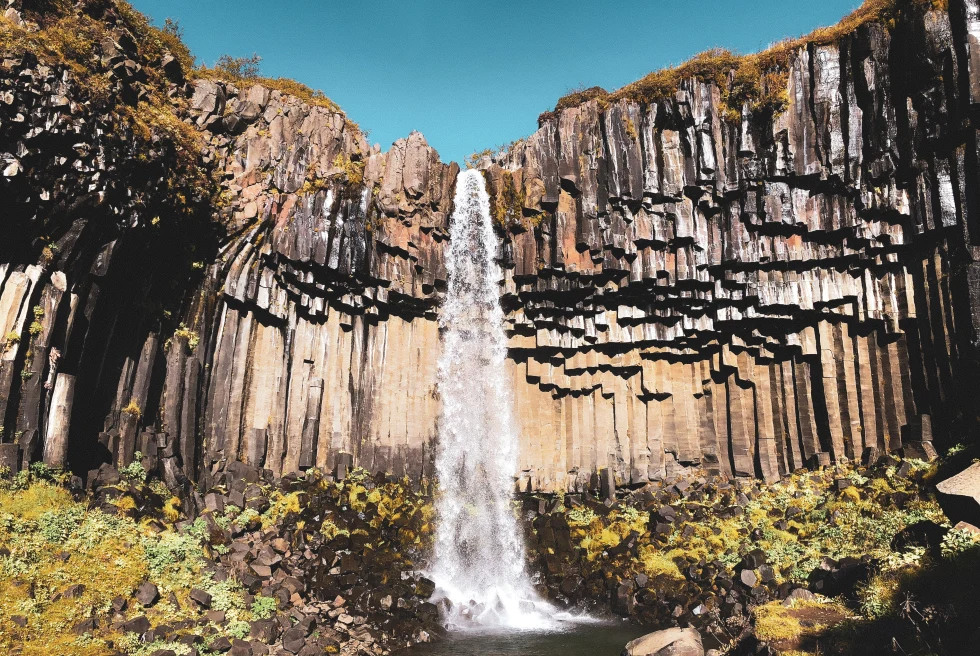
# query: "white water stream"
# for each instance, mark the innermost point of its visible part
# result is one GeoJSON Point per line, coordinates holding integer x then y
{"type": "Point", "coordinates": [478, 562]}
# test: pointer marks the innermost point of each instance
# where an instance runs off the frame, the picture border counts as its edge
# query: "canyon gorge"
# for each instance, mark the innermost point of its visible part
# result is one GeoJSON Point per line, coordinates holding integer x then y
{"type": "Point", "coordinates": [697, 270]}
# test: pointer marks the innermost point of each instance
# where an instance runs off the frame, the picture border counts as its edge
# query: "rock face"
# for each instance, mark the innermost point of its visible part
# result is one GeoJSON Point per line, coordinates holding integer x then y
{"type": "Point", "coordinates": [682, 288]}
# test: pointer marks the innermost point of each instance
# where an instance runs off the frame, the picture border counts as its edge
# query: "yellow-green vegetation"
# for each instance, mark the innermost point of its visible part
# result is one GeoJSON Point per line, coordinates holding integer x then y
{"type": "Point", "coordinates": [105, 553]}
{"type": "Point", "coordinates": [192, 337]}
{"type": "Point", "coordinates": [595, 534]}
{"type": "Point", "coordinates": [916, 604]}
{"type": "Point", "coordinates": [133, 408]}
{"type": "Point", "coordinates": [758, 79]}
{"type": "Point", "coordinates": [473, 158]}
{"type": "Point", "coordinates": [50, 542]}
{"type": "Point", "coordinates": [822, 522]}
{"type": "Point", "coordinates": [389, 503]}
{"type": "Point", "coordinates": [59, 33]}
{"type": "Point", "coordinates": [352, 169]}
{"type": "Point", "coordinates": [508, 201]}
{"type": "Point", "coordinates": [655, 562]}
{"type": "Point", "coordinates": [9, 340]}
{"type": "Point", "coordinates": [798, 626]}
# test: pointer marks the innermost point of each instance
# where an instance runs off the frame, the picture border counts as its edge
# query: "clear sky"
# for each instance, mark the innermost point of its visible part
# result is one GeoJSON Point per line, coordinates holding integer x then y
{"type": "Point", "coordinates": [472, 75]}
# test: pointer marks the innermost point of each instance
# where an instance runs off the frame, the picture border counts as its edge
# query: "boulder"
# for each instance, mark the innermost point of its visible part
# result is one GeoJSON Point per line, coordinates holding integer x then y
{"type": "Point", "coordinates": [294, 639]}
{"type": "Point", "coordinates": [137, 625]}
{"type": "Point", "coordinates": [669, 642]}
{"type": "Point", "coordinates": [147, 594]}
{"type": "Point", "coordinates": [959, 495]}
{"type": "Point", "coordinates": [200, 597]}
{"type": "Point", "coordinates": [926, 534]}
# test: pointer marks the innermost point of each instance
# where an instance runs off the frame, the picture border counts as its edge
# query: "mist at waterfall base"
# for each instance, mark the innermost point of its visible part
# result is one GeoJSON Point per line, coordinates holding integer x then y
{"type": "Point", "coordinates": [478, 557]}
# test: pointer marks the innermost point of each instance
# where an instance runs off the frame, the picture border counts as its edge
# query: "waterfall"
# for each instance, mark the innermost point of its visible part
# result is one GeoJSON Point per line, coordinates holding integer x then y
{"type": "Point", "coordinates": [478, 564]}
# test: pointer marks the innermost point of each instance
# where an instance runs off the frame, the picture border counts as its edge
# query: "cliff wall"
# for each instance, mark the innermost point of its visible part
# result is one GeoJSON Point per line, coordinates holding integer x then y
{"type": "Point", "coordinates": [689, 279]}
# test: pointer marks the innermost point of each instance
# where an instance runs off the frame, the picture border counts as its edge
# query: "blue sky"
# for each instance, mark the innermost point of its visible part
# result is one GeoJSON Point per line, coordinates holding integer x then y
{"type": "Point", "coordinates": [472, 75]}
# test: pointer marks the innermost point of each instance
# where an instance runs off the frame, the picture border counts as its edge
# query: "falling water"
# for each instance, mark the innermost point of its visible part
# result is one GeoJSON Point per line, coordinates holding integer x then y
{"type": "Point", "coordinates": [479, 553]}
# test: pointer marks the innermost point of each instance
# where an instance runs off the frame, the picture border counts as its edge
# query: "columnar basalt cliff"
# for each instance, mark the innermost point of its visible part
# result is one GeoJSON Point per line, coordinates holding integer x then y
{"type": "Point", "coordinates": [689, 278]}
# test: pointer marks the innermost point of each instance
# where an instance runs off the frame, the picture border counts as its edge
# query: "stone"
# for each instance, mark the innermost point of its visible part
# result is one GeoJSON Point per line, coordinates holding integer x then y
{"type": "Point", "coordinates": [669, 642]}
{"type": "Point", "coordinates": [748, 578]}
{"type": "Point", "coordinates": [220, 645]}
{"type": "Point", "coordinates": [607, 481]}
{"type": "Point", "coordinates": [73, 591]}
{"type": "Point", "coordinates": [10, 458]}
{"type": "Point", "coordinates": [754, 559]}
{"type": "Point", "coordinates": [138, 625]}
{"type": "Point", "coordinates": [870, 456]}
{"type": "Point", "coordinates": [925, 533]}
{"type": "Point", "coordinates": [147, 594]}
{"type": "Point", "coordinates": [200, 597]}
{"type": "Point", "coordinates": [262, 571]}
{"type": "Point", "coordinates": [214, 502]}
{"type": "Point", "coordinates": [797, 595]}
{"type": "Point", "coordinates": [294, 639]}
{"type": "Point", "coordinates": [959, 495]}
{"type": "Point", "coordinates": [920, 450]}
{"type": "Point", "coordinates": [266, 631]}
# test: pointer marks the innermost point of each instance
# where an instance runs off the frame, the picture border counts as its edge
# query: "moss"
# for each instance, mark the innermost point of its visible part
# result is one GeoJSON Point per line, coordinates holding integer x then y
{"type": "Point", "coordinates": [171, 509]}
{"type": "Point", "coordinates": [40, 524]}
{"type": "Point", "coordinates": [773, 622]}
{"type": "Point", "coordinates": [352, 169]}
{"type": "Point", "coordinates": [133, 408]}
{"type": "Point", "coordinates": [508, 201]}
{"type": "Point", "coordinates": [655, 563]}
{"type": "Point", "coordinates": [191, 337]}
{"type": "Point", "coordinates": [30, 503]}
{"type": "Point", "coordinates": [798, 625]}
{"type": "Point", "coordinates": [630, 128]}
{"type": "Point", "coordinates": [758, 80]}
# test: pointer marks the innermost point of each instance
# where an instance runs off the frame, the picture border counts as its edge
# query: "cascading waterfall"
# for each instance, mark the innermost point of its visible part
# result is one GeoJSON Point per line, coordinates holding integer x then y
{"type": "Point", "coordinates": [479, 553]}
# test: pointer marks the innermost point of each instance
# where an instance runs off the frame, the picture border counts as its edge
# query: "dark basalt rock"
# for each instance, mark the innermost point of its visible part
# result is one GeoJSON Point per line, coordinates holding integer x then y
{"type": "Point", "coordinates": [147, 594]}
{"type": "Point", "coordinates": [925, 534]}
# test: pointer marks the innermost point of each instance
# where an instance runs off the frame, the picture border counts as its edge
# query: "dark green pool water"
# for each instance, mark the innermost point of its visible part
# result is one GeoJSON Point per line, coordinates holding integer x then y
{"type": "Point", "coordinates": [606, 639]}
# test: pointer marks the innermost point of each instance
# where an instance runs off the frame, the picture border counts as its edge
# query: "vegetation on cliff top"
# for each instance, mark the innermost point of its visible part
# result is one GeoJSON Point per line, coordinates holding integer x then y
{"type": "Point", "coordinates": [94, 42]}
{"type": "Point", "coordinates": [244, 72]}
{"type": "Point", "coordinates": [758, 80]}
